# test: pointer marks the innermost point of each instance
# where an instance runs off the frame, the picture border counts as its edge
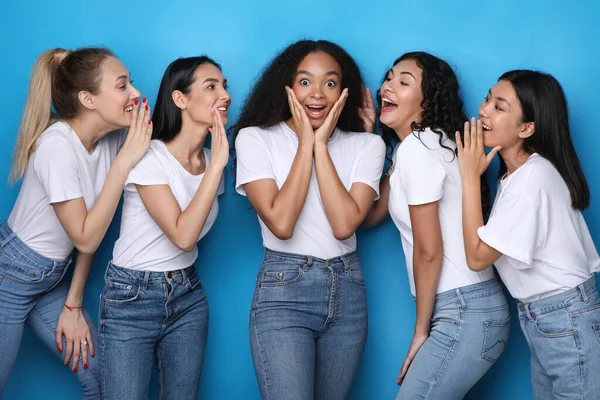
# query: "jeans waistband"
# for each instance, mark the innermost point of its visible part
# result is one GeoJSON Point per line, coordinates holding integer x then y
{"type": "Point", "coordinates": [581, 292]}
{"type": "Point", "coordinates": [480, 289]}
{"type": "Point", "coordinates": [345, 259]}
{"type": "Point", "coordinates": [180, 275]}
{"type": "Point", "coordinates": [10, 242]}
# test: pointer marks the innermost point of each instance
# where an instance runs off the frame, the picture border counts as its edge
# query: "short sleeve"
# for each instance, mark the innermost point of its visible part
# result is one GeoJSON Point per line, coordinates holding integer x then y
{"type": "Point", "coordinates": [513, 229]}
{"type": "Point", "coordinates": [58, 170]}
{"type": "Point", "coordinates": [253, 159]}
{"type": "Point", "coordinates": [148, 171]}
{"type": "Point", "coordinates": [421, 174]}
{"type": "Point", "coordinates": [370, 164]}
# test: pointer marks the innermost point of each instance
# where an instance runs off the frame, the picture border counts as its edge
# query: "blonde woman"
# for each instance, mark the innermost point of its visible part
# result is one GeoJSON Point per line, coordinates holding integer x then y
{"type": "Point", "coordinates": [72, 183]}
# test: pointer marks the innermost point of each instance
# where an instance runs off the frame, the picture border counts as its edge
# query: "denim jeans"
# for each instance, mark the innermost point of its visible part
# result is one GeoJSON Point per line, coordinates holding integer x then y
{"type": "Point", "coordinates": [33, 293]}
{"type": "Point", "coordinates": [308, 326]}
{"type": "Point", "coordinates": [469, 330]}
{"type": "Point", "coordinates": [563, 334]}
{"type": "Point", "coordinates": [147, 318]}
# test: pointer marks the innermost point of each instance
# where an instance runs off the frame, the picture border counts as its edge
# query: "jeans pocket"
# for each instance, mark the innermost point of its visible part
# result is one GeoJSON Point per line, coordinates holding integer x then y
{"type": "Point", "coordinates": [280, 274]}
{"type": "Point", "coordinates": [355, 274]}
{"type": "Point", "coordinates": [193, 280]}
{"type": "Point", "coordinates": [554, 324]}
{"type": "Point", "coordinates": [495, 338]}
{"type": "Point", "coordinates": [23, 273]}
{"type": "Point", "coordinates": [120, 291]}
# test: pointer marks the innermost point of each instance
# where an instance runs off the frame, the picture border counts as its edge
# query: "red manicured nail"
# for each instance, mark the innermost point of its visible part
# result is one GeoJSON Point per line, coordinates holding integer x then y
{"type": "Point", "coordinates": [84, 366]}
{"type": "Point", "coordinates": [146, 108]}
{"type": "Point", "coordinates": [144, 100]}
{"type": "Point", "coordinates": [59, 350]}
{"type": "Point", "coordinates": [75, 370]}
{"type": "Point", "coordinates": [92, 354]}
{"type": "Point", "coordinates": [136, 102]}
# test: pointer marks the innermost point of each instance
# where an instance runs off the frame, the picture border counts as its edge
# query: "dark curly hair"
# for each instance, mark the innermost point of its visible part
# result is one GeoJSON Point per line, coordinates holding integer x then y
{"type": "Point", "coordinates": [267, 103]}
{"type": "Point", "coordinates": [442, 108]}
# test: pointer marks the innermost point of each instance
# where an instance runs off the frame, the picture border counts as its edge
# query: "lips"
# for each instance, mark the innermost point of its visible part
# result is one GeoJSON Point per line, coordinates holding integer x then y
{"type": "Point", "coordinates": [316, 111]}
{"type": "Point", "coordinates": [387, 104]}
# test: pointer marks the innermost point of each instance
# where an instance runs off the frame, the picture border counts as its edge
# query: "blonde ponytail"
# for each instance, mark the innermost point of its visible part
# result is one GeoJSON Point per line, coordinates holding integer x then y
{"type": "Point", "coordinates": [37, 114]}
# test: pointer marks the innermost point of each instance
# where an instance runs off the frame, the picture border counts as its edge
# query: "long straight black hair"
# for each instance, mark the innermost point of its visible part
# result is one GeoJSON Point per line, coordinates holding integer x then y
{"type": "Point", "coordinates": [179, 75]}
{"type": "Point", "coordinates": [543, 102]}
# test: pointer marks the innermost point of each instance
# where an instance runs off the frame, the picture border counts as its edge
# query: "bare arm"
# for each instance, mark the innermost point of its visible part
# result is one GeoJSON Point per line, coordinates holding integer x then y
{"type": "Point", "coordinates": [86, 229]}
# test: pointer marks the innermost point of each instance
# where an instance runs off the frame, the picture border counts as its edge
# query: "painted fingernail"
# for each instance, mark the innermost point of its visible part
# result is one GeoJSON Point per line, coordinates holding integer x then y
{"type": "Point", "coordinates": [84, 366]}
{"type": "Point", "coordinates": [59, 349]}
{"type": "Point", "coordinates": [144, 100]}
{"type": "Point", "coordinates": [146, 107]}
{"type": "Point", "coordinates": [92, 354]}
{"type": "Point", "coordinates": [137, 102]}
{"type": "Point", "coordinates": [149, 122]}
{"type": "Point", "coordinates": [75, 370]}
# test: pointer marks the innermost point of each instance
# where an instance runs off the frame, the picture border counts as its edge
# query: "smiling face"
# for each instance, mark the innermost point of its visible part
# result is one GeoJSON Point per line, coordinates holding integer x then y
{"type": "Point", "coordinates": [208, 90]}
{"type": "Point", "coordinates": [115, 99]}
{"type": "Point", "coordinates": [317, 85]}
{"type": "Point", "coordinates": [401, 97]}
{"type": "Point", "coordinates": [502, 118]}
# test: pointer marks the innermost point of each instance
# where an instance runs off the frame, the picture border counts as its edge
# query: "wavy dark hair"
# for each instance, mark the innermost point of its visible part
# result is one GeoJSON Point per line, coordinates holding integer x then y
{"type": "Point", "coordinates": [544, 103]}
{"type": "Point", "coordinates": [442, 109]}
{"type": "Point", "coordinates": [267, 103]}
{"type": "Point", "coordinates": [179, 75]}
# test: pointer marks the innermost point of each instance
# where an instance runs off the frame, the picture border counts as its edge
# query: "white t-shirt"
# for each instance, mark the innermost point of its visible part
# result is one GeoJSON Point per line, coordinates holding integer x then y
{"type": "Point", "coordinates": [142, 245]}
{"type": "Point", "coordinates": [423, 172]}
{"type": "Point", "coordinates": [59, 169]}
{"type": "Point", "coordinates": [546, 245]}
{"type": "Point", "coordinates": [269, 153]}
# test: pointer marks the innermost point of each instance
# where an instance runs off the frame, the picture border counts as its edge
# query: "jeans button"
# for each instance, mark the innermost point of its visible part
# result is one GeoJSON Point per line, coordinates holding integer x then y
{"type": "Point", "coordinates": [169, 274]}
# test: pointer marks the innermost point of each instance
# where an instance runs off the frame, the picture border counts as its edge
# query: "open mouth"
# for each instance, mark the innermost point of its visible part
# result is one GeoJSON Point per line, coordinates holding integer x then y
{"type": "Point", "coordinates": [316, 111]}
{"type": "Point", "coordinates": [388, 105]}
{"type": "Point", "coordinates": [129, 108]}
{"type": "Point", "coordinates": [486, 128]}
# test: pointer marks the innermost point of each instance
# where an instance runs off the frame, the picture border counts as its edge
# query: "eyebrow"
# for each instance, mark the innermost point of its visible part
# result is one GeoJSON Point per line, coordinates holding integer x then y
{"type": "Point", "coordinates": [211, 80]}
{"type": "Point", "coordinates": [499, 98]}
{"type": "Point", "coordinates": [122, 77]}
{"type": "Point", "coordinates": [408, 73]}
{"type": "Point", "coordinates": [309, 74]}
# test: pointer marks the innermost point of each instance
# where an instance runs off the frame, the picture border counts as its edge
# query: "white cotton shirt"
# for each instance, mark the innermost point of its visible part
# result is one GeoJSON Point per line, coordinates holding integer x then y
{"type": "Point", "coordinates": [142, 245]}
{"type": "Point", "coordinates": [546, 245]}
{"type": "Point", "coordinates": [424, 172]}
{"type": "Point", "coordinates": [269, 153]}
{"type": "Point", "coordinates": [59, 169]}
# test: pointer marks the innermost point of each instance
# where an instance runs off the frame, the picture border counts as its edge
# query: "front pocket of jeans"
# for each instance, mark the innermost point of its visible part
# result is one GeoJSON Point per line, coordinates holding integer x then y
{"type": "Point", "coordinates": [280, 274]}
{"type": "Point", "coordinates": [119, 292]}
{"type": "Point", "coordinates": [25, 274]}
{"type": "Point", "coordinates": [554, 324]}
{"type": "Point", "coordinates": [356, 275]}
{"type": "Point", "coordinates": [495, 338]}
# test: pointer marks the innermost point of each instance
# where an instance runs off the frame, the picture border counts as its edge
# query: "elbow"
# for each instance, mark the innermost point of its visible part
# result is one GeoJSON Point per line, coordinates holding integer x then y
{"type": "Point", "coordinates": [86, 247]}
{"type": "Point", "coordinates": [343, 232]}
{"type": "Point", "coordinates": [476, 265]}
{"type": "Point", "coordinates": [184, 244]}
{"type": "Point", "coordinates": [430, 258]}
{"type": "Point", "coordinates": [282, 230]}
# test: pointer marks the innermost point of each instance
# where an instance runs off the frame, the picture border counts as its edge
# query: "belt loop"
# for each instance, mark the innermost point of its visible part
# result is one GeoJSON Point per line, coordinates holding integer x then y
{"type": "Point", "coordinates": [531, 317]}
{"type": "Point", "coordinates": [146, 279]}
{"type": "Point", "coordinates": [345, 261]}
{"type": "Point", "coordinates": [461, 300]}
{"type": "Point", "coordinates": [584, 294]}
{"type": "Point", "coordinates": [309, 261]}
{"type": "Point", "coordinates": [7, 239]}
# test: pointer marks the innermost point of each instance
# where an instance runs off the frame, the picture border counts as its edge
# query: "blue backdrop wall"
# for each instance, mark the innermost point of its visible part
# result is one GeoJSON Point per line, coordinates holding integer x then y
{"type": "Point", "coordinates": [480, 39]}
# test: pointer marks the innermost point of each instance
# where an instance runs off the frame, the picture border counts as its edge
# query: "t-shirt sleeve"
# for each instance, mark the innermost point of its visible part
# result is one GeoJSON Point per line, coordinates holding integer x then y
{"type": "Point", "coordinates": [513, 229]}
{"type": "Point", "coordinates": [370, 164]}
{"type": "Point", "coordinates": [148, 171]}
{"type": "Point", "coordinates": [58, 170]}
{"type": "Point", "coordinates": [421, 174]}
{"type": "Point", "coordinates": [253, 159]}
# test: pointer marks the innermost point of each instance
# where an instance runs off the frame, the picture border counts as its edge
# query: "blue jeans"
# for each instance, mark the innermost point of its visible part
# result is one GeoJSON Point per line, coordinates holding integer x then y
{"type": "Point", "coordinates": [469, 330]}
{"type": "Point", "coordinates": [308, 326]}
{"type": "Point", "coordinates": [33, 293]}
{"type": "Point", "coordinates": [563, 334]}
{"type": "Point", "coordinates": [148, 317]}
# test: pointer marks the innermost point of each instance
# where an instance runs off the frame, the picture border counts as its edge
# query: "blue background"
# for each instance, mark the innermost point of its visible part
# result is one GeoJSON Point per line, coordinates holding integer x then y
{"type": "Point", "coordinates": [481, 39]}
